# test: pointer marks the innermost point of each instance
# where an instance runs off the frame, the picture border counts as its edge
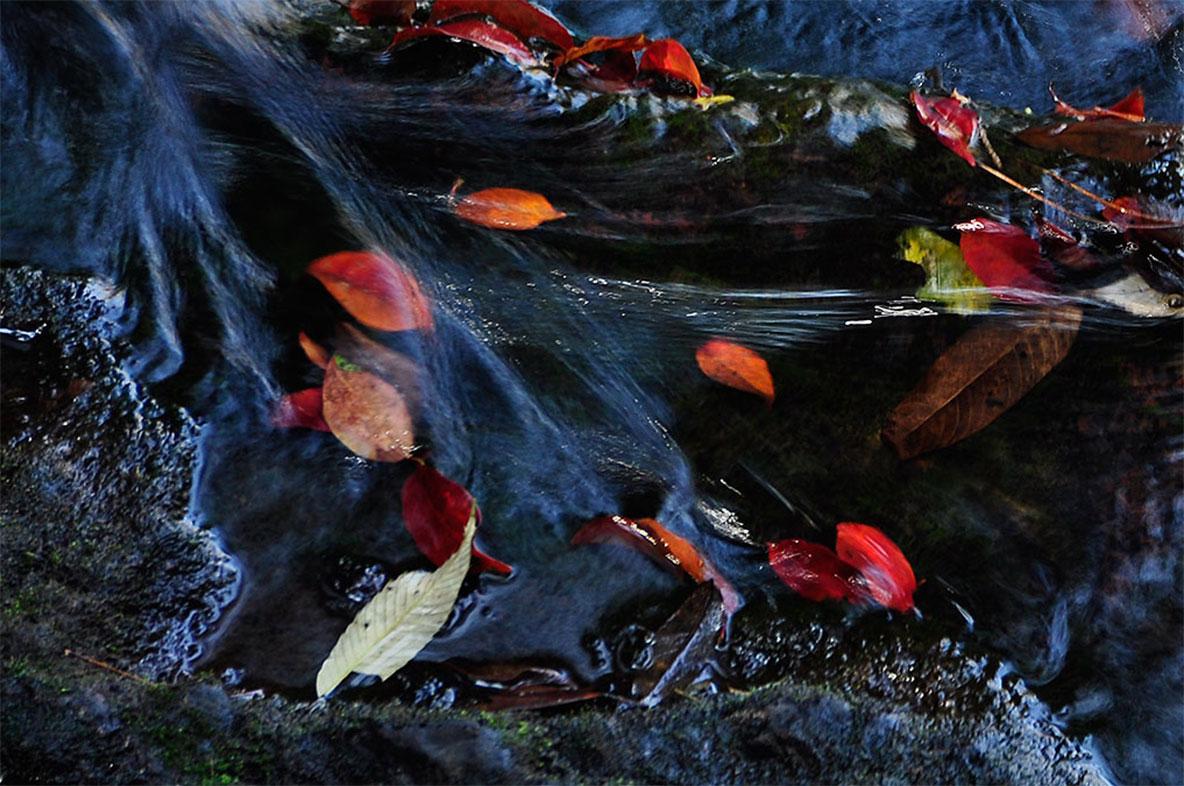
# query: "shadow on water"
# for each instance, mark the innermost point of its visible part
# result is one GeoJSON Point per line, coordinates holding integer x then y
{"type": "Point", "coordinates": [202, 155]}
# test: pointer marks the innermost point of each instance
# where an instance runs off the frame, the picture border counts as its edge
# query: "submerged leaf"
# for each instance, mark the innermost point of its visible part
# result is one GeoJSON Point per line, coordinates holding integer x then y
{"type": "Point", "coordinates": [812, 570]}
{"type": "Point", "coordinates": [366, 413]}
{"type": "Point", "coordinates": [374, 289]}
{"type": "Point", "coordinates": [381, 12]}
{"type": "Point", "coordinates": [399, 621]}
{"type": "Point", "coordinates": [300, 410]}
{"type": "Point", "coordinates": [1108, 138]}
{"type": "Point", "coordinates": [976, 380]}
{"type": "Point", "coordinates": [379, 359]}
{"type": "Point", "coordinates": [475, 30]}
{"type": "Point", "coordinates": [669, 60]}
{"type": "Point", "coordinates": [523, 19]}
{"type": "Point", "coordinates": [736, 366]}
{"type": "Point", "coordinates": [683, 646]}
{"type": "Point", "coordinates": [435, 510]}
{"type": "Point", "coordinates": [507, 208]}
{"type": "Point", "coordinates": [954, 123]}
{"type": "Point", "coordinates": [947, 278]}
{"type": "Point", "coordinates": [1004, 258]}
{"type": "Point", "coordinates": [886, 573]}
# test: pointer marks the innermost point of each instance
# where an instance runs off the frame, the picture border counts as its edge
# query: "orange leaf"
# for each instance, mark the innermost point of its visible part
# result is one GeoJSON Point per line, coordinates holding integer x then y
{"type": "Point", "coordinates": [374, 289]}
{"type": "Point", "coordinates": [737, 367]}
{"type": "Point", "coordinates": [670, 59]}
{"type": "Point", "coordinates": [521, 18]}
{"type": "Point", "coordinates": [366, 413]}
{"type": "Point", "coordinates": [506, 208]}
{"type": "Point", "coordinates": [300, 410]}
{"type": "Point", "coordinates": [601, 43]}
{"type": "Point", "coordinates": [887, 574]}
{"type": "Point", "coordinates": [314, 351]}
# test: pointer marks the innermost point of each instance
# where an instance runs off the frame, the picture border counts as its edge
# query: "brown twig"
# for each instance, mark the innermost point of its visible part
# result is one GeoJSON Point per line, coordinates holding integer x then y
{"type": "Point", "coordinates": [1031, 192]}
{"type": "Point", "coordinates": [1156, 221]}
{"type": "Point", "coordinates": [106, 666]}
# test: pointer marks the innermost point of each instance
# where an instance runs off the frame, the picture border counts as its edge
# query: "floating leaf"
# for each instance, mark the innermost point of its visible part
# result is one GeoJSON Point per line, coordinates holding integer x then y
{"type": "Point", "coordinates": [300, 410]}
{"type": "Point", "coordinates": [1130, 108]}
{"type": "Point", "coordinates": [507, 208]}
{"type": "Point", "coordinates": [601, 43]}
{"type": "Point", "coordinates": [947, 278]}
{"type": "Point", "coordinates": [667, 59]}
{"type": "Point", "coordinates": [812, 570]}
{"type": "Point", "coordinates": [1108, 138]}
{"type": "Point", "coordinates": [399, 621]}
{"type": "Point", "coordinates": [1004, 258]}
{"type": "Point", "coordinates": [381, 12]}
{"type": "Point", "coordinates": [886, 573]}
{"type": "Point", "coordinates": [661, 545]}
{"type": "Point", "coordinates": [435, 510]}
{"type": "Point", "coordinates": [954, 123]}
{"type": "Point", "coordinates": [737, 367]}
{"type": "Point", "coordinates": [475, 30]}
{"type": "Point", "coordinates": [525, 20]}
{"type": "Point", "coordinates": [318, 355]}
{"type": "Point", "coordinates": [979, 378]}
{"type": "Point", "coordinates": [374, 289]}
{"type": "Point", "coordinates": [366, 413]}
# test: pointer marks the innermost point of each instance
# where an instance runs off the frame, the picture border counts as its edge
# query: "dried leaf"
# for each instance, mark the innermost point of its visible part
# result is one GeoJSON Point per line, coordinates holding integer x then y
{"type": "Point", "coordinates": [374, 289]}
{"type": "Point", "coordinates": [1108, 138]}
{"type": "Point", "coordinates": [367, 413]}
{"type": "Point", "coordinates": [737, 367]}
{"type": "Point", "coordinates": [399, 621]}
{"type": "Point", "coordinates": [1130, 108]}
{"type": "Point", "coordinates": [947, 278]}
{"type": "Point", "coordinates": [507, 208]}
{"type": "Point", "coordinates": [955, 124]}
{"type": "Point", "coordinates": [435, 510]}
{"type": "Point", "coordinates": [381, 12]}
{"type": "Point", "coordinates": [475, 30]}
{"type": "Point", "coordinates": [979, 378]}
{"type": "Point", "coordinates": [601, 43]}
{"type": "Point", "coordinates": [318, 355]}
{"type": "Point", "coordinates": [886, 573]}
{"type": "Point", "coordinates": [1004, 258]}
{"type": "Point", "coordinates": [523, 19]}
{"type": "Point", "coordinates": [661, 545]}
{"type": "Point", "coordinates": [683, 646]}
{"type": "Point", "coordinates": [667, 59]}
{"type": "Point", "coordinates": [300, 410]}
{"type": "Point", "coordinates": [813, 571]}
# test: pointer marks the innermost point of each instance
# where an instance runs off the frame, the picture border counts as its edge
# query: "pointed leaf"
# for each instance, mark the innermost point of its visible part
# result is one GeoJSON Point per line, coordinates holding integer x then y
{"type": "Point", "coordinates": [601, 43]}
{"type": "Point", "coordinates": [300, 410]}
{"type": "Point", "coordinates": [435, 510]}
{"type": "Point", "coordinates": [1108, 138]}
{"type": "Point", "coordinates": [886, 573]}
{"type": "Point", "coordinates": [366, 413]}
{"type": "Point", "coordinates": [1130, 108]}
{"type": "Point", "coordinates": [668, 59]}
{"type": "Point", "coordinates": [399, 621]}
{"type": "Point", "coordinates": [956, 125]}
{"type": "Point", "coordinates": [521, 18]}
{"type": "Point", "coordinates": [812, 570]}
{"type": "Point", "coordinates": [737, 367]}
{"type": "Point", "coordinates": [318, 355]}
{"type": "Point", "coordinates": [475, 30]}
{"type": "Point", "coordinates": [1004, 258]}
{"type": "Point", "coordinates": [506, 208]}
{"type": "Point", "coordinates": [374, 289]}
{"type": "Point", "coordinates": [947, 278]}
{"type": "Point", "coordinates": [979, 378]}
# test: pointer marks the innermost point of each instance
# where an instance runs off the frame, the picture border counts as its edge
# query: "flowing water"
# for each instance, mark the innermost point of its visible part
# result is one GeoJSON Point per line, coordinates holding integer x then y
{"type": "Point", "coordinates": [202, 155]}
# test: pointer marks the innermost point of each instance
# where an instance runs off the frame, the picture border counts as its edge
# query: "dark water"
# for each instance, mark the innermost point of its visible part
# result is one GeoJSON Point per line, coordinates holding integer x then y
{"type": "Point", "coordinates": [202, 159]}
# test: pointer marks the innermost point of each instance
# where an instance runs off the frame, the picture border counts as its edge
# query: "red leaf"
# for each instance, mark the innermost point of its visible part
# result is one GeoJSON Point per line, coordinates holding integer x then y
{"type": "Point", "coordinates": [813, 571]}
{"type": "Point", "coordinates": [435, 512]}
{"type": "Point", "coordinates": [737, 367]}
{"type": "Point", "coordinates": [374, 289]}
{"type": "Point", "coordinates": [1129, 108]}
{"type": "Point", "coordinates": [954, 123]}
{"type": "Point", "coordinates": [300, 410]}
{"type": "Point", "coordinates": [670, 59]}
{"type": "Point", "coordinates": [886, 573]}
{"type": "Point", "coordinates": [507, 208]}
{"type": "Point", "coordinates": [601, 43]}
{"type": "Point", "coordinates": [1004, 257]}
{"type": "Point", "coordinates": [476, 31]}
{"type": "Point", "coordinates": [381, 12]}
{"type": "Point", "coordinates": [521, 18]}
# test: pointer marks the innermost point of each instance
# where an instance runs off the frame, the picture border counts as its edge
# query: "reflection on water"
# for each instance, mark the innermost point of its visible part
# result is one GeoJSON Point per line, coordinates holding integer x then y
{"type": "Point", "coordinates": [196, 154]}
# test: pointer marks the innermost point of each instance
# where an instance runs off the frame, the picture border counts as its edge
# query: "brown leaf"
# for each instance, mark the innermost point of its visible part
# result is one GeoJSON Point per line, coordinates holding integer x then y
{"type": "Point", "coordinates": [1108, 138]}
{"type": "Point", "coordinates": [394, 367]}
{"type": "Point", "coordinates": [366, 413]}
{"type": "Point", "coordinates": [682, 646]}
{"type": "Point", "coordinates": [736, 366]}
{"type": "Point", "coordinates": [976, 380]}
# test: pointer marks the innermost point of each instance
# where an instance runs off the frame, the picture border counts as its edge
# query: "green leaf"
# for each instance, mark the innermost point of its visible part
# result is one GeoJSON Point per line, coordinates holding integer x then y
{"type": "Point", "coordinates": [399, 621]}
{"type": "Point", "coordinates": [947, 278]}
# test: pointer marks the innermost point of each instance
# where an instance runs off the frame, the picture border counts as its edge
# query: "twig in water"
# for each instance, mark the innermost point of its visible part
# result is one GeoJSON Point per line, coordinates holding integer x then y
{"type": "Point", "coordinates": [106, 666]}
